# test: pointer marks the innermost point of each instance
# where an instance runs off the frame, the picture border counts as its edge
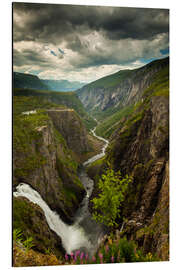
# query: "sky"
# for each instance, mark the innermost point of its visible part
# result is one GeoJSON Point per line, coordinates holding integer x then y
{"type": "Point", "coordinates": [85, 43]}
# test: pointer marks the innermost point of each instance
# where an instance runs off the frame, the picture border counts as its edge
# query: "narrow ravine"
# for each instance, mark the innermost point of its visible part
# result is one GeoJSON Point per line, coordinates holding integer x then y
{"type": "Point", "coordinates": [85, 234]}
{"type": "Point", "coordinates": [102, 154]}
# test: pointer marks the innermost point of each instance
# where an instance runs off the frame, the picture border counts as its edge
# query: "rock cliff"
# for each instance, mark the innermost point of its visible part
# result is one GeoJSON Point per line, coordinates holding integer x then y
{"type": "Point", "coordinates": [140, 147]}
{"type": "Point", "coordinates": [43, 159]}
{"type": "Point", "coordinates": [44, 238]}
{"type": "Point", "coordinates": [112, 93]}
{"type": "Point", "coordinates": [68, 123]}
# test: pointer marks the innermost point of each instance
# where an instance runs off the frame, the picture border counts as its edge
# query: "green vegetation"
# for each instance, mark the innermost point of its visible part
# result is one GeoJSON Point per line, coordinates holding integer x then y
{"type": "Point", "coordinates": [68, 99]}
{"type": "Point", "coordinates": [121, 250]}
{"type": "Point", "coordinates": [28, 243]}
{"type": "Point", "coordinates": [22, 80]}
{"type": "Point", "coordinates": [28, 103]}
{"type": "Point", "coordinates": [159, 86]}
{"type": "Point", "coordinates": [25, 133]}
{"type": "Point", "coordinates": [113, 188]}
{"type": "Point", "coordinates": [17, 235]}
{"type": "Point", "coordinates": [30, 227]}
{"type": "Point", "coordinates": [109, 81]}
{"type": "Point", "coordinates": [21, 208]}
{"type": "Point", "coordinates": [107, 127]}
{"type": "Point", "coordinates": [63, 85]}
{"type": "Point", "coordinates": [133, 113]}
{"type": "Point", "coordinates": [23, 255]}
{"type": "Point", "coordinates": [114, 250]}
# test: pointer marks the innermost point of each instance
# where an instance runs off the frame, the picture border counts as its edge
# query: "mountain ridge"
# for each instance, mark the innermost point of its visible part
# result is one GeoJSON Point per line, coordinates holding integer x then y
{"type": "Point", "coordinates": [120, 91]}
{"type": "Point", "coordinates": [31, 81]}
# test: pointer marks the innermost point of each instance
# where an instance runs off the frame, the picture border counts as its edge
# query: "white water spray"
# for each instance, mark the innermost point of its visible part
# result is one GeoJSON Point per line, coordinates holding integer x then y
{"type": "Point", "coordinates": [84, 233]}
{"type": "Point", "coordinates": [73, 236]}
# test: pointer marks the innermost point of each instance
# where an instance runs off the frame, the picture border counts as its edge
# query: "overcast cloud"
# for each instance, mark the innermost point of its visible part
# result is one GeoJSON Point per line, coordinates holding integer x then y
{"type": "Point", "coordinates": [84, 43]}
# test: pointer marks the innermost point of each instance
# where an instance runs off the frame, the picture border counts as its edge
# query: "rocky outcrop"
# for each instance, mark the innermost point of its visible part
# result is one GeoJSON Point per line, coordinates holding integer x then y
{"type": "Point", "coordinates": [118, 90]}
{"type": "Point", "coordinates": [68, 123]}
{"type": "Point", "coordinates": [45, 162]}
{"type": "Point", "coordinates": [140, 149]}
{"type": "Point", "coordinates": [44, 240]}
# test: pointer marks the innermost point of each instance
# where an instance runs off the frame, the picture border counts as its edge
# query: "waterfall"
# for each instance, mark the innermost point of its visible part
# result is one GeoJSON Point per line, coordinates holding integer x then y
{"type": "Point", "coordinates": [85, 233]}
{"type": "Point", "coordinates": [73, 236]}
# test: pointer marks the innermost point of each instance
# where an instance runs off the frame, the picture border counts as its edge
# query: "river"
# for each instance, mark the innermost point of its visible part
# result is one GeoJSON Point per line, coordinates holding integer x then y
{"type": "Point", "coordinates": [84, 234]}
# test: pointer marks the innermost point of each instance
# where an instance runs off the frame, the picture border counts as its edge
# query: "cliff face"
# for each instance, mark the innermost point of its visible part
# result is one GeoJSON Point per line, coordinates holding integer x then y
{"type": "Point", "coordinates": [118, 90]}
{"type": "Point", "coordinates": [55, 99]}
{"type": "Point", "coordinates": [68, 123]}
{"type": "Point", "coordinates": [43, 160]}
{"type": "Point", "coordinates": [140, 148]}
{"type": "Point", "coordinates": [43, 237]}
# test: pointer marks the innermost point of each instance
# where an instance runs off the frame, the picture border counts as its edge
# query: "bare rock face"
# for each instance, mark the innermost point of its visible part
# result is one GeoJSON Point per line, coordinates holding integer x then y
{"type": "Point", "coordinates": [117, 90]}
{"type": "Point", "coordinates": [140, 149]}
{"type": "Point", "coordinates": [43, 237]}
{"type": "Point", "coordinates": [68, 123]}
{"type": "Point", "coordinates": [50, 169]}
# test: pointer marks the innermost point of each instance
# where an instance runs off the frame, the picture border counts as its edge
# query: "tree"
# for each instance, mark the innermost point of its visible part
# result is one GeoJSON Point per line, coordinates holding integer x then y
{"type": "Point", "coordinates": [106, 206]}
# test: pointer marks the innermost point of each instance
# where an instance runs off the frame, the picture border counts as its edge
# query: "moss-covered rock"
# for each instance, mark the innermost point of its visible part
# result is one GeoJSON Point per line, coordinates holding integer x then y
{"type": "Point", "coordinates": [42, 158]}
{"type": "Point", "coordinates": [140, 147]}
{"type": "Point", "coordinates": [30, 220]}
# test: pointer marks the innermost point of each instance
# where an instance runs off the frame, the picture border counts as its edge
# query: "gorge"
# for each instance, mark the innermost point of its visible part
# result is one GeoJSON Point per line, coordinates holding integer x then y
{"type": "Point", "coordinates": [84, 234]}
{"type": "Point", "coordinates": [60, 153]}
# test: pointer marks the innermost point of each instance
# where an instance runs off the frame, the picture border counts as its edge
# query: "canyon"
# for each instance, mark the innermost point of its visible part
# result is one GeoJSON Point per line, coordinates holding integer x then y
{"type": "Point", "coordinates": [61, 151]}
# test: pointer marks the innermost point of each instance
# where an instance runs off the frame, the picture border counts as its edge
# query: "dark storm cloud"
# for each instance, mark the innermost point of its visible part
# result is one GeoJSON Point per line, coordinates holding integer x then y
{"type": "Point", "coordinates": [45, 23]}
{"type": "Point", "coordinates": [68, 39]}
{"type": "Point", "coordinates": [29, 57]}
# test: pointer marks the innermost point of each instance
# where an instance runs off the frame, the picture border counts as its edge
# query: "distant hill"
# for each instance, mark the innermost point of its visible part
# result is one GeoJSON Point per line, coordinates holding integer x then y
{"type": "Point", "coordinates": [63, 85]}
{"type": "Point", "coordinates": [28, 81]}
{"type": "Point", "coordinates": [68, 99]}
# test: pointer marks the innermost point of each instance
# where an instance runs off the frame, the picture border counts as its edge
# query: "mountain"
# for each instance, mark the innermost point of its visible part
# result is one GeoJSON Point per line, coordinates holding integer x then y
{"type": "Point", "coordinates": [63, 85]}
{"type": "Point", "coordinates": [22, 80]}
{"type": "Point", "coordinates": [110, 94]}
{"type": "Point", "coordinates": [50, 142]}
{"type": "Point", "coordinates": [29, 81]}
{"type": "Point", "coordinates": [68, 99]}
{"type": "Point", "coordinates": [139, 146]}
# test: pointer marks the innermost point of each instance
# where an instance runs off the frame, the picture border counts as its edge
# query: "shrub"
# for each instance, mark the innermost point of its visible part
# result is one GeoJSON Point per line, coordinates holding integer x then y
{"type": "Point", "coordinates": [113, 187]}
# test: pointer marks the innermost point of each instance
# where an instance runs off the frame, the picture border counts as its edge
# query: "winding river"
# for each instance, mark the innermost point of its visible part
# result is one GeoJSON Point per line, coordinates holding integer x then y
{"type": "Point", "coordinates": [85, 234]}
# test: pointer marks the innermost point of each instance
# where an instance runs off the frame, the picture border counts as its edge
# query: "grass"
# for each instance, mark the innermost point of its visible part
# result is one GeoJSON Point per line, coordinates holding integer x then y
{"type": "Point", "coordinates": [108, 81]}
{"type": "Point", "coordinates": [67, 99]}
{"type": "Point", "coordinates": [107, 127]}
{"type": "Point", "coordinates": [158, 88]}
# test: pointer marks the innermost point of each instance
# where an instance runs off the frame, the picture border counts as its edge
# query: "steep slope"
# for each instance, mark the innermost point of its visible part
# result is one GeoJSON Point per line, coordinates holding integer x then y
{"type": "Point", "coordinates": [140, 147]}
{"type": "Point", "coordinates": [49, 144]}
{"type": "Point", "coordinates": [43, 237]}
{"type": "Point", "coordinates": [42, 159]}
{"type": "Point", "coordinates": [68, 99]}
{"type": "Point", "coordinates": [110, 94]}
{"type": "Point", "coordinates": [22, 80]}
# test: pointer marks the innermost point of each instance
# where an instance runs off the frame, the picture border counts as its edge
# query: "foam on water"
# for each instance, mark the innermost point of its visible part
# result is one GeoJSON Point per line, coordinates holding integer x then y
{"type": "Point", "coordinates": [85, 233]}
{"type": "Point", "coordinates": [73, 236]}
